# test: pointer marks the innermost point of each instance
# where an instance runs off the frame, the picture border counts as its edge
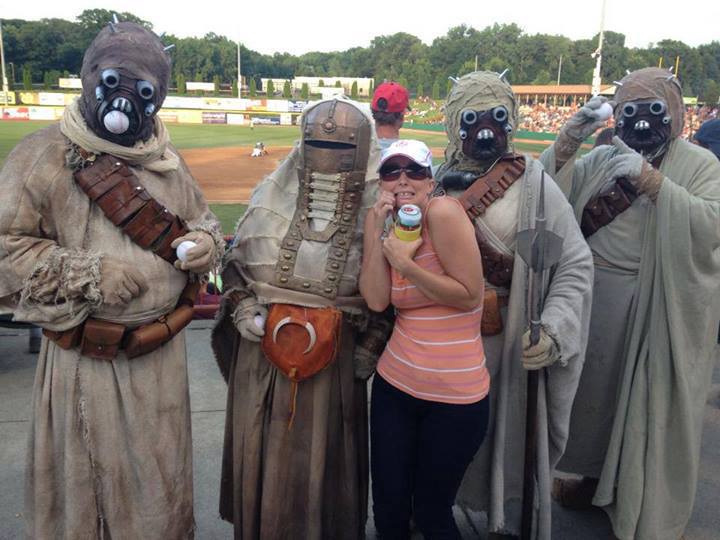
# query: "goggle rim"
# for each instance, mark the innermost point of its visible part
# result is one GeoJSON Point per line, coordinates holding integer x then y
{"type": "Point", "coordinates": [414, 173]}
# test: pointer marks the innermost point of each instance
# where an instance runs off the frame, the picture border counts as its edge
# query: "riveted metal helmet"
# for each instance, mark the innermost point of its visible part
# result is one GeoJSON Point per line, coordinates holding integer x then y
{"type": "Point", "coordinates": [336, 138]}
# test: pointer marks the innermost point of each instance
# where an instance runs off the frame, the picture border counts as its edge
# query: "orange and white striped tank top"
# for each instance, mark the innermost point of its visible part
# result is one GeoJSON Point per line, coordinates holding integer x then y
{"type": "Point", "coordinates": [435, 352]}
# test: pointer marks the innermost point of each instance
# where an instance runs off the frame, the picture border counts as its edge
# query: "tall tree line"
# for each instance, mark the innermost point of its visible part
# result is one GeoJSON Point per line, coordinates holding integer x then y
{"type": "Point", "coordinates": [56, 46]}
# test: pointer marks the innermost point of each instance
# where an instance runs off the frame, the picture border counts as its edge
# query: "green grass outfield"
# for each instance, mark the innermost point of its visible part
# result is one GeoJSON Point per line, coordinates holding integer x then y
{"type": "Point", "coordinates": [207, 136]}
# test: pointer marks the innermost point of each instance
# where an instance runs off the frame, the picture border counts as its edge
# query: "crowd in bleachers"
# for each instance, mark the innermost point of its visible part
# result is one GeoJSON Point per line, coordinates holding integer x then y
{"type": "Point", "coordinates": [549, 118]}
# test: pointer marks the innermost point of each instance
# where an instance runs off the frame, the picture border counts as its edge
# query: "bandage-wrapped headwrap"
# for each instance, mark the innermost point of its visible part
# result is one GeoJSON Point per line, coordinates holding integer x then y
{"type": "Point", "coordinates": [480, 90]}
{"type": "Point", "coordinates": [653, 83]}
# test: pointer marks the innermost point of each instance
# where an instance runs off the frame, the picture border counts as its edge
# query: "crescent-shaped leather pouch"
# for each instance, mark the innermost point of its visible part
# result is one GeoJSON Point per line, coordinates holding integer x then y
{"type": "Point", "coordinates": [301, 341]}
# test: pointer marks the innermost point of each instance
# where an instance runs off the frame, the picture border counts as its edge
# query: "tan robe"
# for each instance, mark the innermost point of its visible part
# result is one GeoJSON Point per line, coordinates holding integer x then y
{"type": "Point", "coordinates": [110, 453]}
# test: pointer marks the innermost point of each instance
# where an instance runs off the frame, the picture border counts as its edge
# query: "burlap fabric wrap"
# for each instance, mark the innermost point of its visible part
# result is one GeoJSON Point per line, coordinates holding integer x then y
{"type": "Point", "coordinates": [110, 451]}
{"type": "Point", "coordinates": [637, 418]}
{"type": "Point", "coordinates": [493, 482]}
{"type": "Point", "coordinates": [653, 83]}
{"type": "Point", "coordinates": [309, 481]}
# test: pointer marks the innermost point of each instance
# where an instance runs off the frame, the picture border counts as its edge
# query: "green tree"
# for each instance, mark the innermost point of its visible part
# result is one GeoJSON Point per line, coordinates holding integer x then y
{"type": "Point", "coordinates": [711, 93]}
{"type": "Point", "coordinates": [322, 83]}
{"type": "Point", "coordinates": [420, 90]}
{"type": "Point", "coordinates": [338, 84]}
{"type": "Point", "coordinates": [253, 87]}
{"type": "Point", "coordinates": [27, 78]}
{"type": "Point", "coordinates": [436, 90]}
{"type": "Point", "coordinates": [270, 90]}
{"type": "Point", "coordinates": [543, 77]}
{"type": "Point", "coordinates": [305, 91]}
{"type": "Point", "coordinates": [235, 88]}
{"type": "Point", "coordinates": [287, 90]}
{"type": "Point", "coordinates": [354, 90]}
{"type": "Point", "coordinates": [180, 81]}
{"type": "Point", "coordinates": [448, 86]}
{"type": "Point", "coordinates": [216, 85]}
{"type": "Point", "coordinates": [48, 80]}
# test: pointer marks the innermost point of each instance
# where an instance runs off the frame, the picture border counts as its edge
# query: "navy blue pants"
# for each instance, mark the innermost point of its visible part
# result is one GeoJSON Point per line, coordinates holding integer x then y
{"type": "Point", "coordinates": [419, 452]}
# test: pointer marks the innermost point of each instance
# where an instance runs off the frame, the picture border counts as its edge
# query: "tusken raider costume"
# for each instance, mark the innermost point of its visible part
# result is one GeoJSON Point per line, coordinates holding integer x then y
{"type": "Point", "coordinates": [649, 205]}
{"type": "Point", "coordinates": [92, 210]}
{"type": "Point", "coordinates": [293, 339]}
{"type": "Point", "coordinates": [499, 190]}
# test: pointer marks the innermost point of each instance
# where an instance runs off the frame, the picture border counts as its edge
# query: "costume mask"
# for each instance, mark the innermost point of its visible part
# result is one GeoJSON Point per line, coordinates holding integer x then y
{"type": "Point", "coordinates": [125, 75]}
{"type": "Point", "coordinates": [485, 133]}
{"type": "Point", "coordinates": [480, 117]}
{"type": "Point", "coordinates": [650, 111]}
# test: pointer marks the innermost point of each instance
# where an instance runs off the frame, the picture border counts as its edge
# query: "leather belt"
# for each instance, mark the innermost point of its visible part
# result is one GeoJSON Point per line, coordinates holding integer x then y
{"type": "Point", "coordinates": [104, 340]}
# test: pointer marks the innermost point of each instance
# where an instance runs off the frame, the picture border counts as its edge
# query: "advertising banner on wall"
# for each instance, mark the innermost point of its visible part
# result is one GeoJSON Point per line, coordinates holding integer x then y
{"type": "Point", "coordinates": [236, 119]}
{"type": "Point", "coordinates": [213, 118]}
{"type": "Point", "coordinates": [194, 85]}
{"type": "Point", "coordinates": [296, 106]}
{"type": "Point", "coordinates": [16, 113]}
{"type": "Point", "coordinates": [70, 83]}
{"type": "Point", "coordinates": [51, 98]}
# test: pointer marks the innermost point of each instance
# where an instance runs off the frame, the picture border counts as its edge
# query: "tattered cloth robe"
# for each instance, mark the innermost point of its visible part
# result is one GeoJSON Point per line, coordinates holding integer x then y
{"type": "Point", "coordinates": [110, 453]}
{"type": "Point", "coordinates": [638, 417]}
{"type": "Point", "coordinates": [310, 480]}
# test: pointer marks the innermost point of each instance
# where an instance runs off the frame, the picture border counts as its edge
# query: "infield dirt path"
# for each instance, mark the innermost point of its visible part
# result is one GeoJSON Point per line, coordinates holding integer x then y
{"type": "Point", "coordinates": [229, 174]}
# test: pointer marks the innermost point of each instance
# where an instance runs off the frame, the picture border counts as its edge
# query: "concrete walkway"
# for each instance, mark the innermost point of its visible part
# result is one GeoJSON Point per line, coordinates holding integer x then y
{"type": "Point", "coordinates": [207, 394]}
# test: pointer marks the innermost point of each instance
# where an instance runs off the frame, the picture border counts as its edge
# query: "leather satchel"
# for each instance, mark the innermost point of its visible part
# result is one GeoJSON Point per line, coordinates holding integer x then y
{"type": "Point", "coordinates": [101, 339]}
{"type": "Point", "coordinates": [301, 341]}
{"type": "Point", "coordinates": [492, 323]}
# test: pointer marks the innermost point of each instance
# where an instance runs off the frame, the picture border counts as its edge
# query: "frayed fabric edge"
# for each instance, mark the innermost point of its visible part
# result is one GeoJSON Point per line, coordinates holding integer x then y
{"type": "Point", "coordinates": [70, 275]}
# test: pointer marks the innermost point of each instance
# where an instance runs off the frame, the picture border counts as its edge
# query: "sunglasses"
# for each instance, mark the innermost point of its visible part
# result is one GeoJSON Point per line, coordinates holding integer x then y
{"type": "Point", "coordinates": [392, 173]}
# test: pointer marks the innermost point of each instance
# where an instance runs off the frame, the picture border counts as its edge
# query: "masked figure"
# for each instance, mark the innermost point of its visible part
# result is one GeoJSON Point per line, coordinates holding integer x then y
{"type": "Point", "coordinates": [649, 205]}
{"type": "Point", "coordinates": [499, 190]}
{"type": "Point", "coordinates": [92, 210]}
{"type": "Point", "coordinates": [287, 340]}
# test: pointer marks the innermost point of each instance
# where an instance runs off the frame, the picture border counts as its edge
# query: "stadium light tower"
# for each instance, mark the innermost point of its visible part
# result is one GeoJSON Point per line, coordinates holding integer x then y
{"type": "Point", "coordinates": [239, 75]}
{"type": "Point", "coordinates": [597, 55]}
{"type": "Point", "coordinates": [2, 61]}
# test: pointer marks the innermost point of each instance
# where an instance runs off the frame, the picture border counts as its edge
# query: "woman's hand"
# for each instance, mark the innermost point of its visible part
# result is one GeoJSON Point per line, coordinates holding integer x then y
{"type": "Point", "coordinates": [382, 208]}
{"type": "Point", "coordinates": [400, 253]}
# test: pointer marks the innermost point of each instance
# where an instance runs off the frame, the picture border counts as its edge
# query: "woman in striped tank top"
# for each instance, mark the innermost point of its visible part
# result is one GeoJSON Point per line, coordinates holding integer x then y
{"type": "Point", "coordinates": [429, 409]}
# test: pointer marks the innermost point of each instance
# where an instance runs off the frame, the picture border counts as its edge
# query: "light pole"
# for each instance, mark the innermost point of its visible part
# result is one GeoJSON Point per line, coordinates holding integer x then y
{"type": "Point", "coordinates": [2, 61]}
{"type": "Point", "coordinates": [596, 80]}
{"type": "Point", "coordinates": [239, 75]}
{"type": "Point", "coordinates": [13, 79]}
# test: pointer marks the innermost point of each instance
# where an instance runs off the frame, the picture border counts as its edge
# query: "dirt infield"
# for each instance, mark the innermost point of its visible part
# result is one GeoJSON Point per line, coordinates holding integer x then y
{"type": "Point", "coordinates": [229, 174]}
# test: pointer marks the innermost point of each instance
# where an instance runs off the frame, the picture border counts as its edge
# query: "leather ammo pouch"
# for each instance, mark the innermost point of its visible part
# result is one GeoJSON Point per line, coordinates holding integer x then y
{"type": "Point", "coordinates": [101, 339]}
{"type": "Point", "coordinates": [111, 184]}
{"type": "Point", "coordinates": [608, 204]}
{"type": "Point", "coordinates": [301, 341]}
{"type": "Point", "coordinates": [104, 339]}
{"type": "Point", "coordinates": [492, 323]}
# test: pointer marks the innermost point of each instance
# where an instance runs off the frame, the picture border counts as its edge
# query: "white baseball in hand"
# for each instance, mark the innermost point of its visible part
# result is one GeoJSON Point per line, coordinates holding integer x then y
{"type": "Point", "coordinates": [183, 248]}
{"type": "Point", "coordinates": [604, 112]}
{"type": "Point", "coordinates": [259, 321]}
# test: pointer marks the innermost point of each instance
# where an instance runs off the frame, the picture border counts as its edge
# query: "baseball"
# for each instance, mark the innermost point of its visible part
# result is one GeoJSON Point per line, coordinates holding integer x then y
{"type": "Point", "coordinates": [183, 248]}
{"type": "Point", "coordinates": [116, 122]}
{"type": "Point", "coordinates": [604, 111]}
{"type": "Point", "coordinates": [259, 321]}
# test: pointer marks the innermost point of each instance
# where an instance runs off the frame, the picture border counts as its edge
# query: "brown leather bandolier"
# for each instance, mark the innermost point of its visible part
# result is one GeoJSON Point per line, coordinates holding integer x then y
{"type": "Point", "coordinates": [497, 266]}
{"type": "Point", "coordinates": [117, 191]}
{"type": "Point", "coordinates": [608, 204]}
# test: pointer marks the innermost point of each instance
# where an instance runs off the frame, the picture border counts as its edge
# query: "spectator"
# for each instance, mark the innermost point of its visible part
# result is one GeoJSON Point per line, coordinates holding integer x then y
{"type": "Point", "coordinates": [389, 103]}
{"type": "Point", "coordinates": [708, 136]}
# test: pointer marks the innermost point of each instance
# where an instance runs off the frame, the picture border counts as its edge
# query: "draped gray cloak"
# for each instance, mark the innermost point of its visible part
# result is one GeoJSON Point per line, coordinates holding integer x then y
{"type": "Point", "coordinates": [110, 450]}
{"type": "Point", "coordinates": [494, 481]}
{"type": "Point", "coordinates": [637, 418]}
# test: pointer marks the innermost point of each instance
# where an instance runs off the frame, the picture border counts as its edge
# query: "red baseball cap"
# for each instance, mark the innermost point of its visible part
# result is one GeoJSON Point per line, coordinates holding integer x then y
{"type": "Point", "coordinates": [390, 97]}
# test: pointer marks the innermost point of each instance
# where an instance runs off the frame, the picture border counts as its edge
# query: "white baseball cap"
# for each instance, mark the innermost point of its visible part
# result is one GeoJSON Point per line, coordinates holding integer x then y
{"type": "Point", "coordinates": [410, 148]}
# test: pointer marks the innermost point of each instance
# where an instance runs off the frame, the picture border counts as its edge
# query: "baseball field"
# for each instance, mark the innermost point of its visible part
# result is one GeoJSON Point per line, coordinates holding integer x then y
{"type": "Point", "coordinates": [219, 156]}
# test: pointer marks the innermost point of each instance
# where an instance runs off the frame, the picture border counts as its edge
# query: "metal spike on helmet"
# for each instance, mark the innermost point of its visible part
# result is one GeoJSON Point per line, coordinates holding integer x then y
{"type": "Point", "coordinates": [453, 79]}
{"type": "Point", "coordinates": [502, 75]}
{"type": "Point", "coordinates": [168, 47]}
{"type": "Point", "coordinates": [617, 83]}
